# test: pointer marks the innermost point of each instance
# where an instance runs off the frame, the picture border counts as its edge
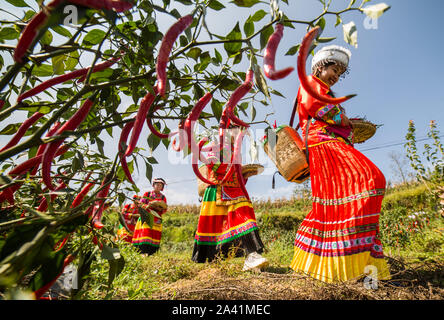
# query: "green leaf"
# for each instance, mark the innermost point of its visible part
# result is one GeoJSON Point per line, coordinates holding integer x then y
{"type": "Point", "coordinates": [265, 34]}
{"type": "Point", "coordinates": [350, 34]}
{"type": "Point", "coordinates": [321, 23]}
{"type": "Point", "coordinates": [293, 50]}
{"type": "Point", "coordinates": [235, 34]}
{"type": "Point", "coordinates": [194, 53]}
{"type": "Point", "coordinates": [248, 28]}
{"type": "Point", "coordinates": [245, 3]}
{"type": "Point", "coordinates": [216, 5]}
{"type": "Point", "coordinates": [149, 170]}
{"type": "Point", "coordinates": [18, 3]}
{"type": "Point", "coordinates": [8, 33]}
{"type": "Point", "coordinates": [257, 16]}
{"type": "Point", "coordinates": [62, 31]}
{"type": "Point", "coordinates": [10, 129]}
{"type": "Point", "coordinates": [46, 39]}
{"type": "Point", "coordinates": [376, 10]}
{"type": "Point", "coordinates": [94, 37]}
{"type": "Point", "coordinates": [44, 70]}
{"type": "Point", "coordinates": [324, 40]}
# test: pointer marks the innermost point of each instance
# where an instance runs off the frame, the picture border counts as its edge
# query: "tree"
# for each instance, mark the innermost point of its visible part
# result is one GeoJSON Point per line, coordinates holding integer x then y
{"type": "Point", "coordinates": [110, 57]}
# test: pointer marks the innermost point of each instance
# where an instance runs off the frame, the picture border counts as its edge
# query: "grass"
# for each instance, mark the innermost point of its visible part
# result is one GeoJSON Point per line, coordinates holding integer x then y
{"type": "Point", "coordinates": [411, 230]}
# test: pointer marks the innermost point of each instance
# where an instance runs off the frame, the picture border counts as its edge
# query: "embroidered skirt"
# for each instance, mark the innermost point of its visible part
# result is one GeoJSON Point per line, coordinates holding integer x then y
{"type": "Point", "coordinates": [225, 228]}
{"type": "Point", "coordinates": [147, 239]}
{"type": "Point", "coordinates": [123, 234]}
{"type": "Point", "coordinates": [338, 239]}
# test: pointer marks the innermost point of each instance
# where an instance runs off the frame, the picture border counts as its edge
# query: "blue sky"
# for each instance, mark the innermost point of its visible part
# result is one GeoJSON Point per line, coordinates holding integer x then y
{"type": "Point", "coordinates": [396, 71]}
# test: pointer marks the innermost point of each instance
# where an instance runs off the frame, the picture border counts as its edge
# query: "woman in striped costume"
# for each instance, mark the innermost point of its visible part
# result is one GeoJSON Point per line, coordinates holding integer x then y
{"type": "Point", "coordinates": [339, 239]}
{"type": "Point", "coordinates": [147, 239]}
{"type": "Point", "coordinates": [227, 222]}
{"type": "Point", "coordinates": [130, 215]}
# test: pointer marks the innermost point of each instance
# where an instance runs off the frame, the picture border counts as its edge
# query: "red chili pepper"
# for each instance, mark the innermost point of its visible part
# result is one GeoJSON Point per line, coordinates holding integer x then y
{"type": "Point", "coordinates": [145, 105]}
{"type": "Point", "coordinates": [99, 204]}
{"type": "Point", "coordinates": [79, 198]}
{"type": "Point", "coordinates": [237, 157]}
{"type": "Point", "coordinates": [60, 244]}
{"type": "Point", "coordinates": [44, 202]}
{"type": "Point", "coordinates": [238, 94]}
{"type": "Point", "coordinates": [2, 103]}
{"type": "Point", "coordinates": [270, 55]}
{"type": "Point", "coordinates": [42, 147]}
{"type": "Point", "coordinates": [32, 29]}
{"type": "Point", "coordinates": [22, 130]}
{"type": "Point", "coordinates": [38, 293]}
{"type": "Point", "coordinates": [30, 163]}
{"type": "Point", "coordinates": [118, 6]}
{"type": "Point", "coordinates": [99, 67]}
{"type": "Point", "coordinates": [69, 125]}
{"type": "Point", "coordinates": [181, 137]}
{"type": "Point", "coordinates": [196, 166]}
{"type": "Point", "coordinates": [122, 143]}
{"type": "Point", "coordinates": [155, 131]}
{"type": "Point", "coordinates": [193, 116]}
{"type": "Point", "coordinates": [65, 77]}
{"type": "Point", "coordinates": [302, 58]}
{"type": "Point", "coordinates": [165, 49]}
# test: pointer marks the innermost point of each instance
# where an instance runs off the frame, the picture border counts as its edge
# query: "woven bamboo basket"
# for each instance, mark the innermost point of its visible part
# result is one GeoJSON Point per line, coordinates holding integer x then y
{"type": "Point", "coordinates": [362, 130]}
{"type": "Point", "coordinates": [248, 171]}
{"type": "Point", "coordinates": [157, 205]}
{"type": "Point", "coordinates": [288, 154]}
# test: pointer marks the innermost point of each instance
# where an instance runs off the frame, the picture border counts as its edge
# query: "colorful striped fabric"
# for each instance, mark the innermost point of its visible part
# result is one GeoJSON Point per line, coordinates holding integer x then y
{"type": "Point", "coordinates": [224, 226]}
{"type": "Point", "coordinates": [147, 239]}
{"type": "Point", "coordinates": [339, 238]}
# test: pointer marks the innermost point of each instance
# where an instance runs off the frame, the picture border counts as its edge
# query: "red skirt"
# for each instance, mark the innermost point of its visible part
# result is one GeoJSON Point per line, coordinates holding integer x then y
{"type": "Point", "coordinates": [339, 239]}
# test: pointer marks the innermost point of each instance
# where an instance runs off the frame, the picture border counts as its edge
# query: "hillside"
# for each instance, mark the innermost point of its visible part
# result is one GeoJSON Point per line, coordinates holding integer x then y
{"type": "Point", "coordinates": [411, 227]}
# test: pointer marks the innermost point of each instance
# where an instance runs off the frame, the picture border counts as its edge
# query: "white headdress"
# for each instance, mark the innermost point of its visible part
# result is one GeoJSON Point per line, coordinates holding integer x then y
{"type": "Point", "coordinates": [333, 53]}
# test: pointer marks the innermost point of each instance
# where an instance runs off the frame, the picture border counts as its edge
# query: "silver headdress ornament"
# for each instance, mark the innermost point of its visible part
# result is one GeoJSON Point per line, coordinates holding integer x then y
{"type": "Point", "coordinates": [332, 53]}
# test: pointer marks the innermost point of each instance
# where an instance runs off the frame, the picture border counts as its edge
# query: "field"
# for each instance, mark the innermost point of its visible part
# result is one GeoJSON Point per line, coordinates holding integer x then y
{"type": "Point", "coordinates": [412, 234]}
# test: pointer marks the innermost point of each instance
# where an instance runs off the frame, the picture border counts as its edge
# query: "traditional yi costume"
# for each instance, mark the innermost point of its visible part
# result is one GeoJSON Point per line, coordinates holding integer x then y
{"type": "Point", "coordinates": [227, 222]}
{"type": "Point", "coordinates": [339, 238]}
{"type": "Point", "coordinates": [147, 239]}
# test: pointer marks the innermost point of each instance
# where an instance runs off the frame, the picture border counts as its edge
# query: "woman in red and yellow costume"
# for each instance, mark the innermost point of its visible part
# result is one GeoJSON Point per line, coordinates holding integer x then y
{"type": "Point", "coordinates": [339, 239]}
{"type": "Point", "coordinates": [227, 220]}
{"type": "Point", "coordinates": [147, 239]}
{"type": "Point", "coordinates": [130, 215]}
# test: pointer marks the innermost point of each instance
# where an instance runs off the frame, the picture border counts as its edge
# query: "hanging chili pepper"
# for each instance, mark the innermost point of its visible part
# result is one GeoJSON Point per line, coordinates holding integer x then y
{"type": "Point", "coordinates": [193, 116]}
{"type": "Point", "coordinates": [32, 29]}
{"type": "Point", "coordinates": [22, 130]}
{"type": "Point", "coordinates": [145, 105]}
{"type": "Point", "coordinates": [304, 79]}
{"type": "Point", "coordinates": [69, 125]}
{"type": "Point", "coordinates": [270, 55]}
{"type": "Point", "coordinates": [79, 198]}
{"type": "Point", "coordinates": [238, 167]}
{"type": "Point", "coordinates": [38, 293]}
{"type": "Point", "coordinates": [42, 147]}
{"type": "Point", "coordinates": [30, 163]}
{"type": "Point", "coordinates": [117, 5]}
{"type": "Point", "coordinates": [228, 112]}
{"type": "Point", "coordinates": [99, 204]}
{"type": "Point", "coordinates": [165, 49]}
{"type": "Point", "coordinates": [154, 130]}
{"type": "Point", "coordinates": [181, 135]}
{"type": "Point", "coordinates": [66, 77]}
{"type": "Point", "coordinates": [2, 103]}
{"type": "Point", "coordinates": [237, 157]}
{"type": "Point", "coordinates": [122, 144]}
{"type": "Point", "coordinates": [44, 202]}
{"type": "Point", "coordinates": [195, 166]}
